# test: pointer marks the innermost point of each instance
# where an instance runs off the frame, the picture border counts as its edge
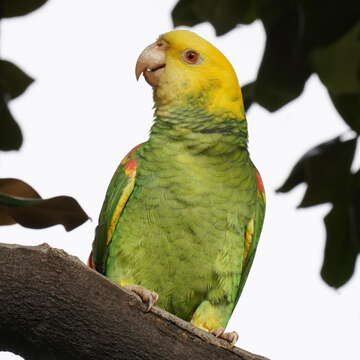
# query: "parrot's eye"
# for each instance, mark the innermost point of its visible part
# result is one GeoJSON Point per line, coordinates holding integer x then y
{"type": "Point", "coordinates": [191, 56]}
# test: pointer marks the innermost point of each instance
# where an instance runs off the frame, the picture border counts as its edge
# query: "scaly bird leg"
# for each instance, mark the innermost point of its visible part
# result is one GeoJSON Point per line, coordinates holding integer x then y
{"type": "Point", "coordinates": [148, 297]}
{"type": "Point", "coordinates": [230, 337]}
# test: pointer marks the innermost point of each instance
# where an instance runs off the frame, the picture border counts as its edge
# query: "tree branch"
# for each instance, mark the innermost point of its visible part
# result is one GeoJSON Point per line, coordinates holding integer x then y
{"type": "Point", "coordinates": [54, 307]}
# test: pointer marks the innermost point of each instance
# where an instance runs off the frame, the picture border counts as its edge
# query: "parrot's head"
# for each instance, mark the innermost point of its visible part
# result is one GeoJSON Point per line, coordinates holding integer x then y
{"type": "Point", "coordinates": [183, 68]}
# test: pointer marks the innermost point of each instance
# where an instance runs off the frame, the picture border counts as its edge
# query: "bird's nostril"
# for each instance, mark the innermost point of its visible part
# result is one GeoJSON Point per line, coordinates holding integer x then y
{"type": "Point", "coordinates": [161, 43]}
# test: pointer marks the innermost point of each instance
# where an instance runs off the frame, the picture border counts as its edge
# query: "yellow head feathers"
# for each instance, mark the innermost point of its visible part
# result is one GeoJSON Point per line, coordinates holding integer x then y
{"type": "Point", "coordinates": [186, 66]}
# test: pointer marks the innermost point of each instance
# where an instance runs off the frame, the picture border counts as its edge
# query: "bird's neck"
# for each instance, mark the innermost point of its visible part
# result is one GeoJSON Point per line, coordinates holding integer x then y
{"type": "Point", "coordinates": [198, 130]}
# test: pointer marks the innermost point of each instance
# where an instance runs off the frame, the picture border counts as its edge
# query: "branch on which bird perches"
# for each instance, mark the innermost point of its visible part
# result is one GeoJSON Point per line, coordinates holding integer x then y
{"type": "Point", "coordinates": [54, 307]}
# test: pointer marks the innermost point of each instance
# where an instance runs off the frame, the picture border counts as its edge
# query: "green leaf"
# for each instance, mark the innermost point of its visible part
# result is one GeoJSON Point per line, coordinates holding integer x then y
{"type": "Point", "coordinates": [10, 133]}
{"type": "Point", "coordinates": [11, 8]}
{"type": "Point", "coordinates": [34, 212]}
{"type": "Point", "coordinates": [341, 247]}
{"type": "Point", "coordinates": [338, 64]}
{"type": "Point", "coordinates": [326, 170]}
{"type": "Point", "coordinates": [13, 81]}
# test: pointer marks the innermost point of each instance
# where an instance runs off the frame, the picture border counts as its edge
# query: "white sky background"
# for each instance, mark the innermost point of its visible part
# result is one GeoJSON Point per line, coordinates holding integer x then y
{"type": "Point", "coordinates": [86, 111]}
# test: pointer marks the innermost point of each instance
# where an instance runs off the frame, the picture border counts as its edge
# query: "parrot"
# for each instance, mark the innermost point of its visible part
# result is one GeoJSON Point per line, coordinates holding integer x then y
{"type": "Point", "coordinates": [183, 213]}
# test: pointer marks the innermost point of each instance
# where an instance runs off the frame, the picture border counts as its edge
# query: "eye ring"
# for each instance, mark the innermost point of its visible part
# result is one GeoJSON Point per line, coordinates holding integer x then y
{"type": "Point", "coordinates": [191, 56]}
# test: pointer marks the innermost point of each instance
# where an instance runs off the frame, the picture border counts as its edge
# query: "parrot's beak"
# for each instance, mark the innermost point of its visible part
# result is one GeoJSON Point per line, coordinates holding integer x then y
{"type": "Point", "coordinates": [151, 62]}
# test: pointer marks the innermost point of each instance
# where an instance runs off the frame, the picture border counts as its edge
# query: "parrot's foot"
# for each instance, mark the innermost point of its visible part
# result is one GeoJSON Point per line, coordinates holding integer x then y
{"type": "Point", "coordinates": [148, 297]}
{"type": "Point", "coordinates": [230, 337]}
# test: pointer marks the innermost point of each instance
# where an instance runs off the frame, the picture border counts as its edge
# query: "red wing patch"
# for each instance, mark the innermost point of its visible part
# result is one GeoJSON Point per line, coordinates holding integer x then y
{"type": "Point", "coordinates": [259, 182]}
{"type": "Point", "coordinates": [130, 167]}
{"type": "Point", "coordinates": [128, 163]}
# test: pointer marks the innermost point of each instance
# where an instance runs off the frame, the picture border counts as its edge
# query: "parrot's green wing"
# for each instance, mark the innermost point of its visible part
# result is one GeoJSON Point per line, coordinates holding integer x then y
{"type": "Point", "coordinates": [214, 313]}
{"type": "Point", "coordinates": [252, 234]}
{"type": "Point", "coordinates": [118, 193]}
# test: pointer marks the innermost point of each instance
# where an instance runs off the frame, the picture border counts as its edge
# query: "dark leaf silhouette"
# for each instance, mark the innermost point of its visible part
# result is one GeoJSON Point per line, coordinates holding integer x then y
{"type": "Point", "coordinates": [20, 203]}
{"type": "Point", "coordinates": [224, 15]}
{"type": "Point", "coordinates": [348, 106]}
{"type": "Point", "coordinates": [13, 81]}
{"type": "Point", "coordinates": [184, 14]}
{"type": "Point", "coordinates": [11, 8]}
{"type": "Point", "coordinates": [326, 171]}
{"type": "Point", "coordinates": [284, 69]}
{"type": "Point", "coordinates": [322, 21]}
{"type": "Point", "coordinates": [342, 246]}
{"type": "Point", "coordinates": [248, 95]}
{"type": "Point", "coordinates": [329, 61]}
{"type": "Point", "coordinates": [10, 133]}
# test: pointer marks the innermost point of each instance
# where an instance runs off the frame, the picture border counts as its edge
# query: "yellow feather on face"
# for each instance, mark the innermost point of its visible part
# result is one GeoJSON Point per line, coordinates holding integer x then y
{"type": "Point", "coordinates": [212, 80]}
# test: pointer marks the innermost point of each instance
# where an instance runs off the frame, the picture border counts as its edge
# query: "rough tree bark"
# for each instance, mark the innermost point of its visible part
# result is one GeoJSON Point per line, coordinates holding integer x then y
{"type": "Point", "coordinates": [54, 307]}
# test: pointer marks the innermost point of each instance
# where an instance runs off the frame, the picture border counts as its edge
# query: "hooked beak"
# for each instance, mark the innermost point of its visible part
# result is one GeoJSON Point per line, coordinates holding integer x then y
{"type": "Point", "coordinates": [151, 62]}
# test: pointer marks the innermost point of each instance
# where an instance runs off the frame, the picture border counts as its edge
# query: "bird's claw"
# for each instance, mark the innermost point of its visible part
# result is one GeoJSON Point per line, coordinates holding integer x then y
{"type": "Point", "coordinates": [148, 297]}
{"type": "Point", "coordinates": [230, 337]}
